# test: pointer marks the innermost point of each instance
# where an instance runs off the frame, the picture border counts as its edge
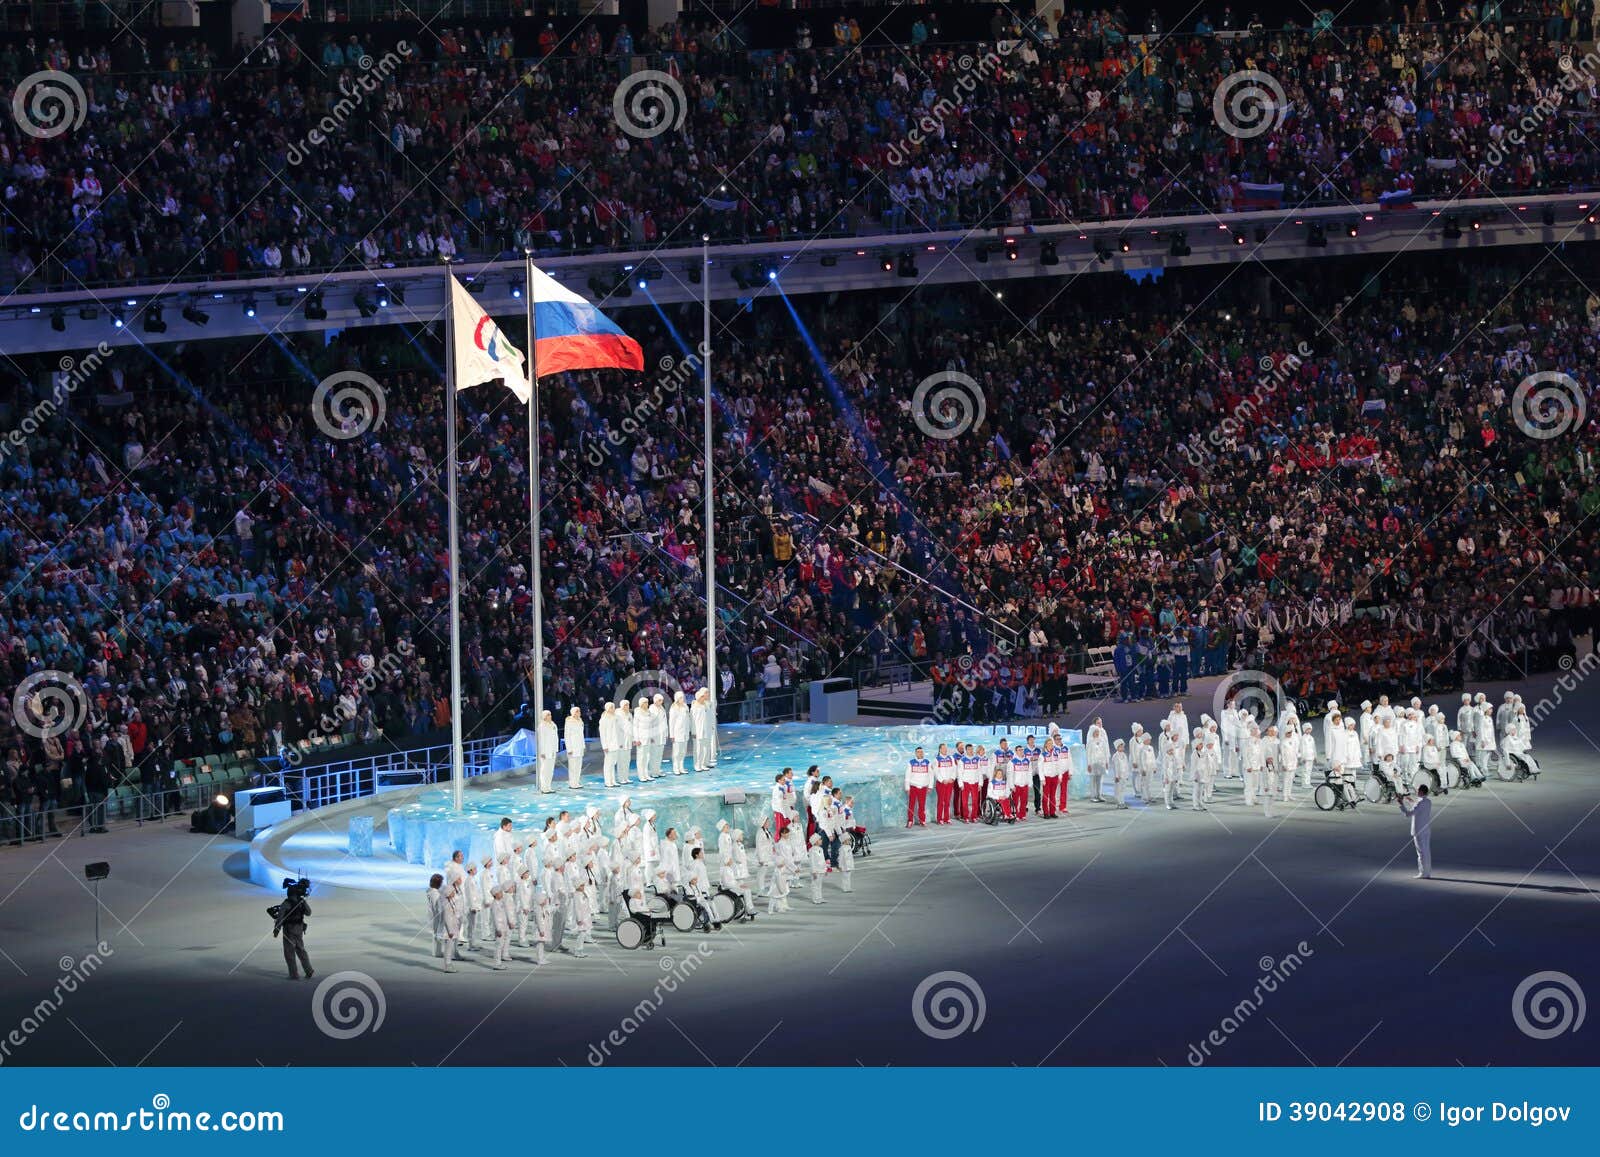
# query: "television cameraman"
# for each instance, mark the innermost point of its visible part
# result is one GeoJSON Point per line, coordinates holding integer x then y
{"type": "Point", "coordinates": [289, 919]}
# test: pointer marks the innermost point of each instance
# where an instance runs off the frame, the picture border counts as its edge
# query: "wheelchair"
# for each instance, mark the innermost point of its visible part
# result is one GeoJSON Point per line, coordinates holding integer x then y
{"type": "Point", "coordinates": [993, 813]}
{"type": "Point", "coordinates": [697, 915]}
{"type": "Point", "coordinates": [1330, 794]}
{"type": "Point", "coordinates": [642, 929]}
{"type": "Point", "coordinates": [860, 842]}
{"type": "Point", "coordinates": [1465, 776]}
{"type": "Point", "coordinates": [728, 905]}
{"type": "Point", "coordinates": [1518, 768]}
{"type": "Point", "coordinates": [1379, 789]}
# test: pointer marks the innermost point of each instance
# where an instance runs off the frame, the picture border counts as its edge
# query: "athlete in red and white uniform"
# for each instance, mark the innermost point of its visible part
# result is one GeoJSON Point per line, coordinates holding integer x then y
{"type": "Point", "coordinates": [971, 779]}
{"type": "Point", "coordinates": [944, 783]}
{"type": "Point", "coordinates": [1021, 782]}
{"type": "Point", "coordinates": [919, 777]}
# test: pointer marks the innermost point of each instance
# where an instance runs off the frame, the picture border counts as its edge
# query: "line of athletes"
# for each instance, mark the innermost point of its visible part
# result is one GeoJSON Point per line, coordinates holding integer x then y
{"type": "Point", "coordinates": [962, 779]}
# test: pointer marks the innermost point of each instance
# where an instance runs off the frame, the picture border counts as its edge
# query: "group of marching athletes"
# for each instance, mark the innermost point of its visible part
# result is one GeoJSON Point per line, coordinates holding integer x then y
{"type": "Point", "coordinates": [1402, 747]}
{"type": "Point", "coordinates": [548, 888]}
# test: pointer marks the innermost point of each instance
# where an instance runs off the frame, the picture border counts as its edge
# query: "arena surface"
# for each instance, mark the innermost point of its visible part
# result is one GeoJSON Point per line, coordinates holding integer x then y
{"type": "Point", "coordinates": [1113, 938]}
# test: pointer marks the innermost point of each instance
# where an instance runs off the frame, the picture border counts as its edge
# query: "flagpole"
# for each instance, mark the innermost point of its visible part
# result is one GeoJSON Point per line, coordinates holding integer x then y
{"type": "Point", "coordinates": [534, 497]}
{"type": "Point", "coordinates": [457, 759]}
{"type": "Point", "coordinates": [710, 511]}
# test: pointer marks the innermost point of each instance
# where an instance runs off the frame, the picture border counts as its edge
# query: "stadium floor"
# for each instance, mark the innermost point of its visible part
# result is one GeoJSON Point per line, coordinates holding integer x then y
{"type": "Point", "coordinates": [1111, 938]}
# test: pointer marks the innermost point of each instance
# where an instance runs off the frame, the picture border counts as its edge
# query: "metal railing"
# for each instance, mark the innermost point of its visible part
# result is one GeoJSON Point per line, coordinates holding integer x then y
{"type": "Point", "coordinates": [343, 779]}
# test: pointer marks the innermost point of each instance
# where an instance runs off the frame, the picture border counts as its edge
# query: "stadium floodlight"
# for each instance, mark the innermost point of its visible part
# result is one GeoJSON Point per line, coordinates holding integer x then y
{"type": "Point", "coordinates": [364, 302]}
{"type": "Point", "coordinates": [153, 322]}
{"type": "Point", "coordinates": [194, 315]}
{"type": "Point", "coordinates": [314, 309]}
{"type": "Point", "coordinates": [250, 306]}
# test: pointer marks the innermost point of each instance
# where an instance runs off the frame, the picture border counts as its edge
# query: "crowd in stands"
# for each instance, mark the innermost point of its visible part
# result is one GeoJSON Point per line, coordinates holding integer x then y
{"type": "Point", "coordinates": [469, 144]}
{"type": "Point", "coordinates": [1314, 474]}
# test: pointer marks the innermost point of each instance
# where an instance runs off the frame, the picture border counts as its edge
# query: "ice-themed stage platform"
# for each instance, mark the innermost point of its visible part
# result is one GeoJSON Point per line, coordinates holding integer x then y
{"type": "Point", "coordinates": [413, 833]}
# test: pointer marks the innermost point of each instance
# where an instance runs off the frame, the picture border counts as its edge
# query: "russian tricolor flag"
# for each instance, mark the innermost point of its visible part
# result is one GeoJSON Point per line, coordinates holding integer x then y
{"type": "Point", "coordinates": [1249, 195]}
{"type": "Point", "coordinates": [573, 335]}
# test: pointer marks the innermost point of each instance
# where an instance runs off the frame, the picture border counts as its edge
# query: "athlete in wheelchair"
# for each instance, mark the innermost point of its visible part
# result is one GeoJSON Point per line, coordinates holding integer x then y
{"type": "Point", "coordinates": [1517, 763]}
{"type": "Point", "coordinates": [1457, 759]}
{"type": "Point", "coordinates": [997, 799]}
{"type": "Point", "coordinates": [643, 925]}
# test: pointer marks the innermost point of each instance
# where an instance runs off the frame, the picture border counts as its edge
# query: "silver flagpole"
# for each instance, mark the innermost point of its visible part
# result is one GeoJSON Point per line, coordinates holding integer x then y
{"type": "Point", "coordinates": [710, 515]}
{"type": "Point", "coordinates": [533, 512]}
{"type": "Point", "coordinates": [457, 759]}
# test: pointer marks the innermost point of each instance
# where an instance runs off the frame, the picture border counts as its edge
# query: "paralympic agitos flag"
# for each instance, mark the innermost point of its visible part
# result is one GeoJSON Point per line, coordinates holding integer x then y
{"type": "Point", "coordinates": [482, 353]}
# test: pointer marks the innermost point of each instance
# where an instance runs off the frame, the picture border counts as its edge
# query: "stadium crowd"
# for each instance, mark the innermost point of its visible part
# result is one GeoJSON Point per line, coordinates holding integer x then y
{"type": "Point", "coordinates": [1325, 479]}
{"type": "Point", "coordinates": [469, 144]}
